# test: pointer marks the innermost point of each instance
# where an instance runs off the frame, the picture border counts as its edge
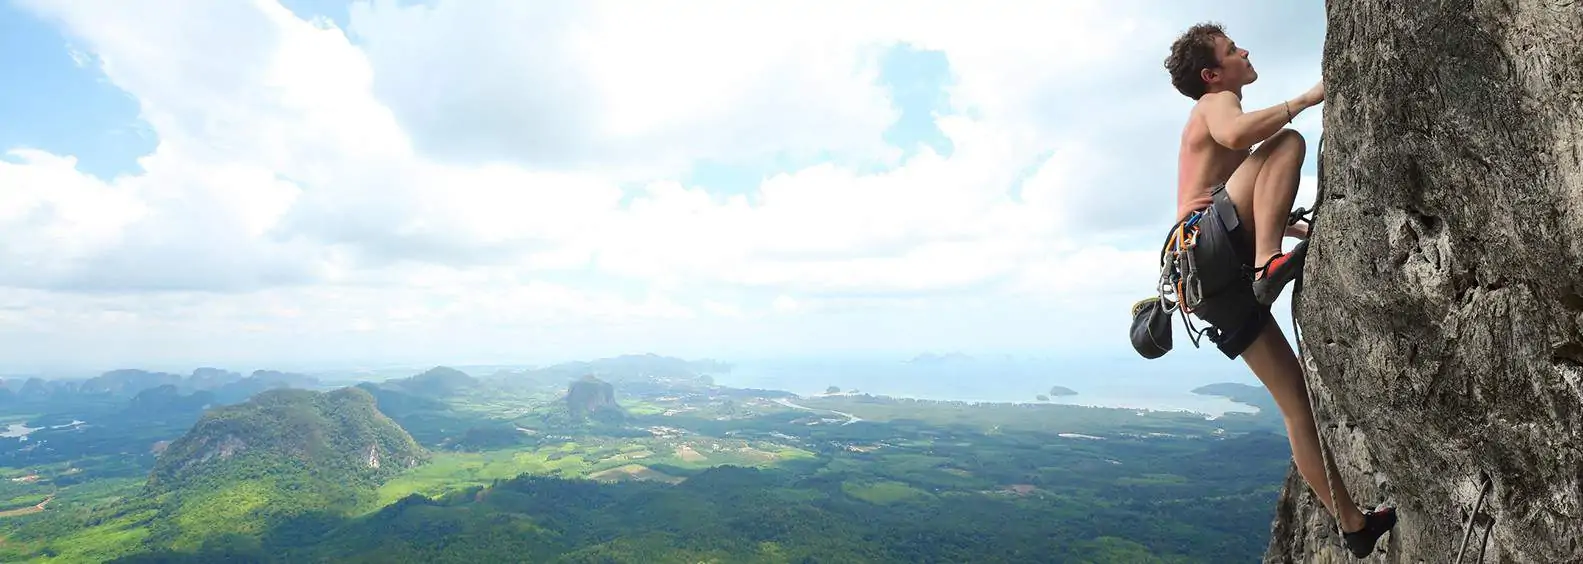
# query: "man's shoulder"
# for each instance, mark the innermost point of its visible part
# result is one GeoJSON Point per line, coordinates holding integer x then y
{"type": "Point", "coordinates": [1217, 101]}
{"type": "Point", "coordinates": [1195, 129]}
{"type": "Point", "coordinates": [1212, 106]}
{"type": "Point", "coordinates": [1210, 99]}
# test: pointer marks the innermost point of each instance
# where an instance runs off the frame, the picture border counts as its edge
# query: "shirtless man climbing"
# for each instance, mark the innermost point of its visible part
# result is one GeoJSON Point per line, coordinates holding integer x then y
{"type": "Point", "coordinates": [1247, 196]}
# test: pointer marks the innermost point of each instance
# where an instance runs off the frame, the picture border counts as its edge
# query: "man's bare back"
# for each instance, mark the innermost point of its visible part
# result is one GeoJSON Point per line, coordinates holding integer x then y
{"type": "Point", "coordinates": [1202, 163]}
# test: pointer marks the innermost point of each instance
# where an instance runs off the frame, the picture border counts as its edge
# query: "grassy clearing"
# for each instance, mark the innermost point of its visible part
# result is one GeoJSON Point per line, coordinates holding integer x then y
{"type": "Point", "coordinates": [643, 408]}
{"type": "Point", "coordinates": [634, 472]}
{"type": "Point", "coordinates": [882, 492]}
{"type": "Point", "coordinates": [592, 458]}
{"type": "Point", "coordinates": [1151, 480]}
{"type": "Point", "coordinates": [28, 510]}
{"type": "Point", "coordinates": [451, 471]}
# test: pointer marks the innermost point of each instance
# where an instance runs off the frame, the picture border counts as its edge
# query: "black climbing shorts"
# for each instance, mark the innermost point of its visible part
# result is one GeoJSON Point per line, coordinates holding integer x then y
{"type": "Point", "coordinates": [1224, 262]}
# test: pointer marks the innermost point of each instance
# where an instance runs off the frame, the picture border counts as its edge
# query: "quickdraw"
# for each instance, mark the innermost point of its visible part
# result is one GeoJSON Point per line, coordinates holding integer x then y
{"type": "Point", "coordinates": [1179, 274]}
{"type": "Point", "coordinates": [1301, 214]}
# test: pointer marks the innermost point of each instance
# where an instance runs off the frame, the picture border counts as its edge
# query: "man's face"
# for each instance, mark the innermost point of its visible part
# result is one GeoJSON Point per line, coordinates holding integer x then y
{"type": "Point", "coordinates": [1235, 70]}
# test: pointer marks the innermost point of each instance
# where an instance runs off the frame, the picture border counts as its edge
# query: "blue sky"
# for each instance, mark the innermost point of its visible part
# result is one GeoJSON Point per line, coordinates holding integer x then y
{"type": "Point", "coordinates": [53, 103]}
{"type": "Point", "coordinates": [492, 181]}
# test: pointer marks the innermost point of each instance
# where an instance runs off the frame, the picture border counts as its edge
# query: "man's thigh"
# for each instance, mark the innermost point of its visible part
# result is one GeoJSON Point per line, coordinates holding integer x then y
{"type": "Point", "coordinates": [1240, 187]}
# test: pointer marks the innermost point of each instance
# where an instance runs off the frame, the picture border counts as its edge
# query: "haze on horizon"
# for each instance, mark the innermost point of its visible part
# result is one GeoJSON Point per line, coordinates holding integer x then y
{"type": "Point", "coordinates": [320, 182]}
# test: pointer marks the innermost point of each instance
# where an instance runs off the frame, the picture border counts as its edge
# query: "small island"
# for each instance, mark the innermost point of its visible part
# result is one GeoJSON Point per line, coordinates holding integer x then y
{"type": "Point", "coordinates": [1255, 396]}
{"type": "Point", "coordinates": [1057, 391]}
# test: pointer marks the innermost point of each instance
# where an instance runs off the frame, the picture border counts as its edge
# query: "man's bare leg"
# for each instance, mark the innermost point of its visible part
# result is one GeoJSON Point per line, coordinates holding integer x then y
{"type": "Point", "coordinates": [1263, 189]}
{"type": "Point", "coordinates": [1275, 190]}
{"type": "Point", "coordinates": [1271, 358]}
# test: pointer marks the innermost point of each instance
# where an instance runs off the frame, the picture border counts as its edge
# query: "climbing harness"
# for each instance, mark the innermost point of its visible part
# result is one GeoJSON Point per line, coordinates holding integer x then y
{"type": "Point", "coordinates": [1467, 529]}
{"type": "Point", "coordinates": [1180, 290]}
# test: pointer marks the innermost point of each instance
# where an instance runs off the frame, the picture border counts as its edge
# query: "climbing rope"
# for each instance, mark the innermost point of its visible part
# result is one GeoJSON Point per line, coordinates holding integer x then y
{"type": "Point", "coordinates": [1319, 434]}
{"type": "Point", "coordinates": [1297, 333]}
{"type": "Point", "coordinates": [1467, 528]}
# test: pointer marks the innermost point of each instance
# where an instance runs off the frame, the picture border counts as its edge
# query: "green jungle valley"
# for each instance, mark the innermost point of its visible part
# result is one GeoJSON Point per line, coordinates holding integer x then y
{"type": "Point", "coordinates": [627, 459]}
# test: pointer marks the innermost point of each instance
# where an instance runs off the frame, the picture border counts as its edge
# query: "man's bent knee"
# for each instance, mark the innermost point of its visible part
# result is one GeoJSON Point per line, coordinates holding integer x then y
{"type": "Point", "coordinates": [1287, 139]}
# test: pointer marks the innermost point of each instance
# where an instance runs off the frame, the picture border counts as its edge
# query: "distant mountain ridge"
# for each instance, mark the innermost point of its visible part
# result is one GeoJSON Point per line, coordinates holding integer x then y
{"type": "Point", "coordinates": [437, 381]}
{"type": "Point", "coordinates": [227, 386]}
{"type": "Point", "coordinates": [634, 368]}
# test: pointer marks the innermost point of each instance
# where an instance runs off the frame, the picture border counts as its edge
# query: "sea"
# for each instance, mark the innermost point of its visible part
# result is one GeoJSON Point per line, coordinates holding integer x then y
{"type": "Point", "coordinates": [1163, 384]}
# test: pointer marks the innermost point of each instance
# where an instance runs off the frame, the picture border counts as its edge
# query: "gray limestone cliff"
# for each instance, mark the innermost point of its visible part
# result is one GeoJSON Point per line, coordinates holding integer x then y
{"type": "Point", "coordinates": [1441, 311]}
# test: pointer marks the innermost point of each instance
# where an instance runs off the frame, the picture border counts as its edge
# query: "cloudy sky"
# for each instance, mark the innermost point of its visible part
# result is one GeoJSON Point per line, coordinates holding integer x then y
{"type": "Point", "coordinates": [458, 181]}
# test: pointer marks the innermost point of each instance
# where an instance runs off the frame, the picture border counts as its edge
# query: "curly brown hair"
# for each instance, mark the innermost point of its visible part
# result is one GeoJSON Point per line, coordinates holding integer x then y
{"type": "Point", "coordinates": [1192, 52]}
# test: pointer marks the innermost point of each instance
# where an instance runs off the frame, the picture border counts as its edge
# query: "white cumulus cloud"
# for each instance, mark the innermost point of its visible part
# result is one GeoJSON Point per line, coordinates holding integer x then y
{"type": "Point", "coordinates": [514, 176]}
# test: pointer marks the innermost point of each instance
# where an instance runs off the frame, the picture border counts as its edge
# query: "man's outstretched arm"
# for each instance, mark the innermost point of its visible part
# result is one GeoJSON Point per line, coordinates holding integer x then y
{"type": "Point", "coordinates": [1232, 127]}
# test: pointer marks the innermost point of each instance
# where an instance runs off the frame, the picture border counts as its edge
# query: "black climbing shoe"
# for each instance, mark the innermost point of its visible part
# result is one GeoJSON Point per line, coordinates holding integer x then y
{"type": "Point", "coordinates": [1375, 524]}
{"type": "Point", "coordinates": [1278, 272]}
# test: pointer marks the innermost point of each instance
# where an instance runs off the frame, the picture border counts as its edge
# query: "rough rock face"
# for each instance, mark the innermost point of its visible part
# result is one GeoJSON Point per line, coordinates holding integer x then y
{"type": "Point", "coordinates": [591, 397]}
{"type": "Point", "coordinates": [1441, 313]}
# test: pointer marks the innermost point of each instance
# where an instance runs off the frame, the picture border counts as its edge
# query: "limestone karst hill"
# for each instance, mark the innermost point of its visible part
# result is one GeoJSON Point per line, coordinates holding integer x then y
{"type": "Point", "coordinates": [338, 436]}
{"type": "Point", "coordinates": [1441, 310]}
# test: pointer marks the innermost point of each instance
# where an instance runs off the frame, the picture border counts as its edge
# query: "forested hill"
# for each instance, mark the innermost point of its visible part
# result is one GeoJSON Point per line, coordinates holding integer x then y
{"type": "Point", "coordinates": [285, 455]}
{"type": "Point", "coordinates": [341, 433]}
